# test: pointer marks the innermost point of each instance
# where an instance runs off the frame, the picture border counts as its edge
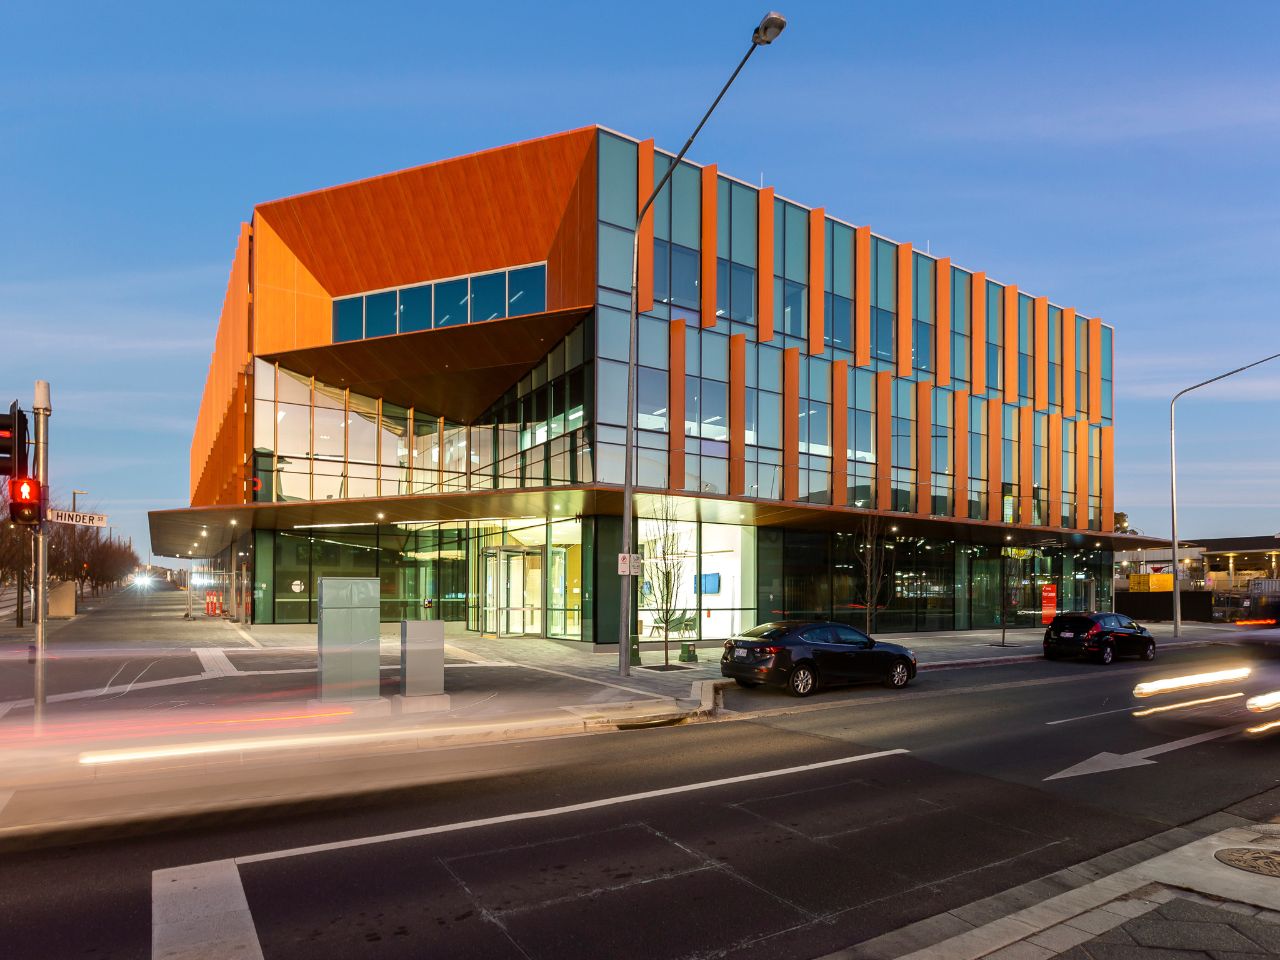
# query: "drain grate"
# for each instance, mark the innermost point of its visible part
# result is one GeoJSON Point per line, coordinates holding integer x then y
{"type": "Point", "coordinates": [1263, 862]}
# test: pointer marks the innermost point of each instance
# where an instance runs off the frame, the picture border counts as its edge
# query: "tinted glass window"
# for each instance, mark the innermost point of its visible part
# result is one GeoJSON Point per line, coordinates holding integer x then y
{"type": "Point", "coordinates": [415, 309]}
{"type": "Point", "coordinates": [451, 303]}
{"type": "Point", "coordinates": [380, 314]}
{"type": "Point", "coordinates": [819, 634]}
{"type": "Point", "coordinates": [526, 291]}
{"type": "Point", "coordinates": [1075, 622]}
{"type": "Point", "coordinates": [488, 297]}
{"type": "Point", "coordinates": [348, 319]}
{"type": "Point", "coordinates": [851, 636]}
{"type": "Point", "coordinates": [766, 631]}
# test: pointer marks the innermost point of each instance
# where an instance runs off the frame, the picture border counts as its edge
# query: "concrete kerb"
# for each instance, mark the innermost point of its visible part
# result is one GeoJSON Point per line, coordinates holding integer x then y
{"type": "Point", "coordinates": [1072, 905]}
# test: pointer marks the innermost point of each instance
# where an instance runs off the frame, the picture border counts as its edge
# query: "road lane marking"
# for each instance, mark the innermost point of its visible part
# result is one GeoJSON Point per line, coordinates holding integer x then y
{"type": "Point", "coordinates": [1087, 716]}
{"type": "Point", "coordinates": [1103, 762]}
{"type": "Point", "coordinates": [201, 911]}
{"type": "Point", "coordinates": [560, 811]}
{"type": "Point", "coordinates": [215, 662]}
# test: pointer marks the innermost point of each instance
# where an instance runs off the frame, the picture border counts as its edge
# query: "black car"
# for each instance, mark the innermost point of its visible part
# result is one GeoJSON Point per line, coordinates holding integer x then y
{"type": "Point", "coordinates": [1100, 636]}
{"type": "Point", "coordinates": [803, 654]}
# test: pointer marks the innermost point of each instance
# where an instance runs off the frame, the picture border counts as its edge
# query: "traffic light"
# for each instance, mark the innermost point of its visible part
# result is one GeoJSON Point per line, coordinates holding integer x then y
{"type": "Point", "coordinates": [13, 442]}
{"type": "Point", "coordinates": [25, 502]}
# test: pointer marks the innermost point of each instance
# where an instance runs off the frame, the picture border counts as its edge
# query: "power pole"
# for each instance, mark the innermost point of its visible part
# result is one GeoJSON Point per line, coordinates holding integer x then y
{"type": "Point", "coordinates": [42, 409]}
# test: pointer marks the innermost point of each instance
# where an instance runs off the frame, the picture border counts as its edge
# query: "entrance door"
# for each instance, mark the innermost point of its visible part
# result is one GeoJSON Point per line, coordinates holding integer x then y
{"type": "Point", "coordinates": [514, 588]}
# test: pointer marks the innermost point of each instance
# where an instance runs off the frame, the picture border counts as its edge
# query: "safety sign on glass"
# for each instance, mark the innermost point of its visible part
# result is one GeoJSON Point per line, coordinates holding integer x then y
{"type": "Point", "coordinates": [629, 565]}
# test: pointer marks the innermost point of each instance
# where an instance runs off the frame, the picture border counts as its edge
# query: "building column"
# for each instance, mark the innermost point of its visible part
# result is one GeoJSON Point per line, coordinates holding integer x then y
{"type": "Point", "coordinates": [675, 404]}
{"type": "Point", "coordinates": [839, 432]}
{"type": "Point", "coordinates": [707, 256]}
{"type": "Point", "coordinates": [764, 264]}
{"type": "Point", "coordinates": [644, 260]}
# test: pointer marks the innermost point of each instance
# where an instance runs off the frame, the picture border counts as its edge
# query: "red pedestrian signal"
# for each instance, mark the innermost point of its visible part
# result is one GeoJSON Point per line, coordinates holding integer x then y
{"type": "Point", "coordinates": [25, 500]}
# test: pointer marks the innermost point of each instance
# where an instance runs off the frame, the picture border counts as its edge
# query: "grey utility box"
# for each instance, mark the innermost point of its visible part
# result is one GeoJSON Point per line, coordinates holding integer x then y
{"type": "Point", "coordinates": [350, 666]}
{"type": "Point", "coordinates": [421, 658]}
{"type": "Point", "coordinates": [421, 667]}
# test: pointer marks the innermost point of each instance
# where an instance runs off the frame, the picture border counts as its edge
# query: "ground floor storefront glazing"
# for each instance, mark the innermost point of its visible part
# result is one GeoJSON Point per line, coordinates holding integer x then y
{"type": "Point", "coordinates": [551, 577]}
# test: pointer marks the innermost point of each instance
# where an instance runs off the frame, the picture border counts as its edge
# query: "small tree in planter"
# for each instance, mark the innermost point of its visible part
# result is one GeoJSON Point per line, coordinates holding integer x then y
{"type": "Point", "coordinates": [666, 563]}
{"type": "Point", "coordinates": [871, 561]}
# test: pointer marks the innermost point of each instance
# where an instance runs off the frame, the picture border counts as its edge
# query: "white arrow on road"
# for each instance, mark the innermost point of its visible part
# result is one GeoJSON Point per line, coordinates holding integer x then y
{"type": "Point", "coordinates": [1103, 762]}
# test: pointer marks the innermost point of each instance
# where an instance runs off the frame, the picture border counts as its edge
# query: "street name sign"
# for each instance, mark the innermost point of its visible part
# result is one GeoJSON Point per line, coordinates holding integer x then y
{"type": "Point", "coordinates": [82, 519]}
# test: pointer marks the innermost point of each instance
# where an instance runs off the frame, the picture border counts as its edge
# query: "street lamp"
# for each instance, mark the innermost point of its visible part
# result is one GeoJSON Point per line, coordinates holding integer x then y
{"type": "Point", "coordinates": [765, 33]}
{"type": "Point", "coordinates": [77, 493]}
{"type": "Point", "coordinates": [1173, 482]}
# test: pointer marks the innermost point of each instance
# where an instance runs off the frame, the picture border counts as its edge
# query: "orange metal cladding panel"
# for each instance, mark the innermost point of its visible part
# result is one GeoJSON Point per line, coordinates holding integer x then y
{"type": "Point", "coordinates": [839, 432]}
{"type": "Point", "coordinates": [924, 447]}
{"type": "Point", "coordinates": [1095, 370]}
{"type": "Point", "coordinates": [862, 297]}
{"type": "Point", "coordinates": [884, 438]}
{"type": "Point", "coordinates": [1068, 362]}
{"type": "Point", "coordinates": [1040, 347]}
{"type": "Point", "coordinates": [791, 423]}
{"type": "Point", "coordinates": [1009, 307]}
{"type": "Point", "coordinates": [291, 308]}
{"type": "Point", "coordinates": [709, 240]}
{"type": "Point", "coordinates": [904, 310]}
{"type": "Point", "coordinates": [817, 281]}
{"type": "Point", "coordinates": [1106, 463]}
{"type": "Point", "coordinates": [1054, 443]}
{"type": "Point", "coordinates": [978, 334]}
{"type": "Point", "coordinates": [1026, 463]}
{"type": "Point", "coordinates": [995, 435]}
{"type": "Point", "coordinates": [942, 322]}
{"type": "Point", "coordinates": [737, 413]}
{"type": "Point", "coordinates": [675, 405]}
{"type": "Point", "coordinates": [644, 261]}
{"type": "Point", "coordinates": [1082, 474]}
{"type": "Point", "coordinates": [960, 454]}
{"type": "Point", "coordinates": [218, 442]}
{"type": "Point", "coordinates": [764, 261]}
{"type": "Point", "coordinates": [497, 208]}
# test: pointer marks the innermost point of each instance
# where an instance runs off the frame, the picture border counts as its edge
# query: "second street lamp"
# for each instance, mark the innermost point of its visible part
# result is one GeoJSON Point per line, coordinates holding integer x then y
{"type": "Point", "coordinates": [1173, 484]}
{"type": "Point", "coordinates": [770, 26]}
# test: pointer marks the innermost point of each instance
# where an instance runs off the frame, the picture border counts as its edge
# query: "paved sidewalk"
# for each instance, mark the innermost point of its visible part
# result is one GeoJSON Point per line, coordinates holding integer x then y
{"type": "Point", "coordinates": [1175, 896]}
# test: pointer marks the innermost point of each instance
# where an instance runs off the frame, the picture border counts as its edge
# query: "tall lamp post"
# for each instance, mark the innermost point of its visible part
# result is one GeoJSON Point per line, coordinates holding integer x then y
{"type": "Point", "coordinates": [765, 33]}
{"type": "Point", "coordinates": [1173, 482]}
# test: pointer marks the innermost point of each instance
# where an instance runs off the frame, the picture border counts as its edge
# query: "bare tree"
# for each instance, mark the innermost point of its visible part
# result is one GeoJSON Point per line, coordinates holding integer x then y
{"type": "Point", "coordinates": [872, 561]}
{"type": "Point", "coordinates": [665, 566]}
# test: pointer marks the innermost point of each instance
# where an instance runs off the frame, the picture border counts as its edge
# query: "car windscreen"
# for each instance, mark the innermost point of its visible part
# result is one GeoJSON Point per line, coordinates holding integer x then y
{"type": "Point", "coordinates": [766, 631]}
{"type": "Point", "coordinates": [1072, 623]}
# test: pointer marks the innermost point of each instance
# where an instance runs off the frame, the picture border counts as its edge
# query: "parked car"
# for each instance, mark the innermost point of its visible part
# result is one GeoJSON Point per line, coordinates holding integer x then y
{"type": "Point", "coordinates": [1099, 636]}
{"type": "Point", "coordinates": [802, 655]}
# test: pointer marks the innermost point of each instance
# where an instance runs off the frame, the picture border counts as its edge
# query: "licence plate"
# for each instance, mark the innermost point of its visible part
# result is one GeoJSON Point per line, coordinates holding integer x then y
{"type": "Point", "coordinates": [1066, 634]}
{"type": "Point", "coordinates": [739, 654]}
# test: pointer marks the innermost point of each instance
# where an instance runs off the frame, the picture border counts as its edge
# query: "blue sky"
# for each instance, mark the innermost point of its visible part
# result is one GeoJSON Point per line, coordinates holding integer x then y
{"type": "Point", "coordinates": [1119, 158]}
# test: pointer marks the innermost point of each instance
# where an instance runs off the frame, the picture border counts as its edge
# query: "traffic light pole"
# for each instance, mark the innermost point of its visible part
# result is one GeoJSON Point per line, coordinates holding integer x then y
{"type": "Point", "coordinates": [42, 410]}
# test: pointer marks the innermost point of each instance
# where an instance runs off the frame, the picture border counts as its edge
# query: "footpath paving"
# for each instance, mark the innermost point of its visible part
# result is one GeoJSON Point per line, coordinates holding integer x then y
{"type": "Point", "coordinates": [1209, 890]}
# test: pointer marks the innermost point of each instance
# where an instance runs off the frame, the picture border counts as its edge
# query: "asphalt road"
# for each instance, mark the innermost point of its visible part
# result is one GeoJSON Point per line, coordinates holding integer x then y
{"type": "Point", "coordinates": [822, 837]}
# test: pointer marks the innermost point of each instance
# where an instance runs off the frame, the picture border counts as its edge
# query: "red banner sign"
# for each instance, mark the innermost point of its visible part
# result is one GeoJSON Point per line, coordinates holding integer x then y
{"type": "Point", "coordinates": [1048, 602]}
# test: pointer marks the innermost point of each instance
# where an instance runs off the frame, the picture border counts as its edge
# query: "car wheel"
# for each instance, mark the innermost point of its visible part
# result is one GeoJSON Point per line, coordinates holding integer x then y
{"type": "Point", "coordinates": [746, 683]}
{"type": "Point", "coordinates": [803, 681]}
{"type": "Point", "coordinates": [1050, 654]}
{"type": "Point", "coordinates": [899, 675]}
{"type": "Point", "coordinates": [1106, 654]}
{"type": "Point", "coordinates": [1149, 651]}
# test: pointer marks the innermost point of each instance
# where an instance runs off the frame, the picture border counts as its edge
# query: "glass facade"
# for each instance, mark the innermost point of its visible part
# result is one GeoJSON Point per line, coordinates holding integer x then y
{"type": "Point", "coordinates": [938, 425]}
